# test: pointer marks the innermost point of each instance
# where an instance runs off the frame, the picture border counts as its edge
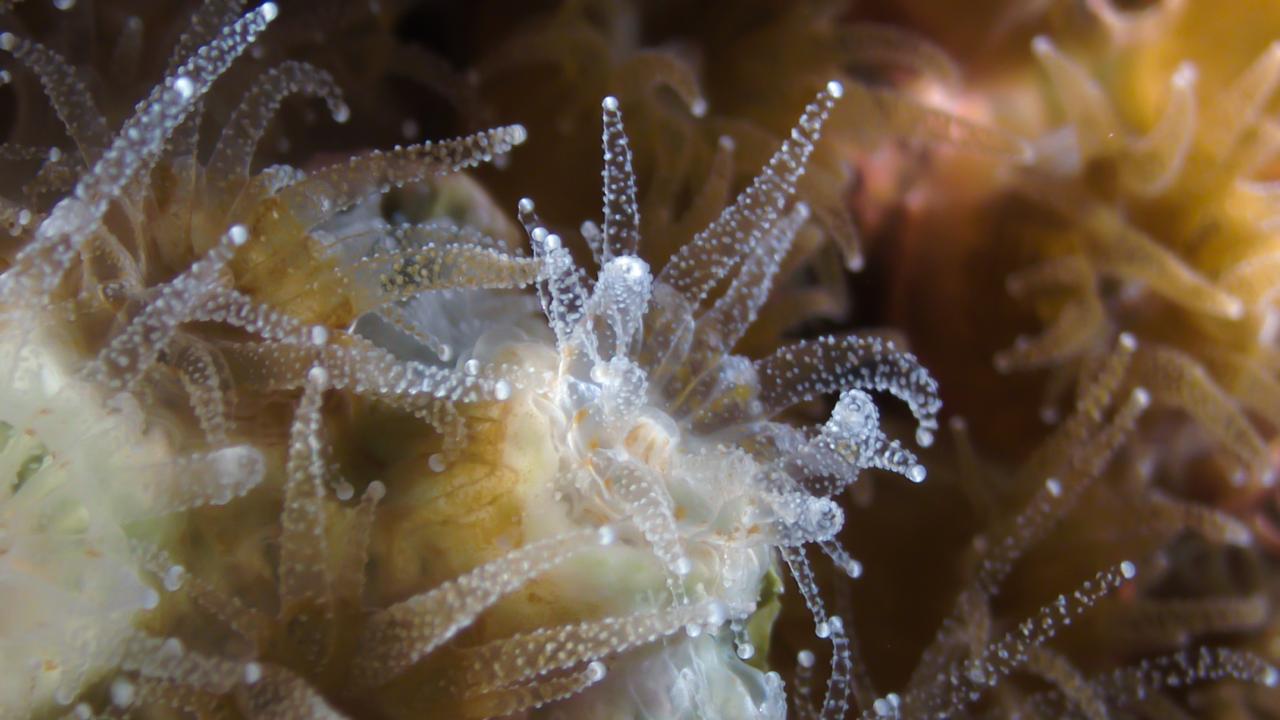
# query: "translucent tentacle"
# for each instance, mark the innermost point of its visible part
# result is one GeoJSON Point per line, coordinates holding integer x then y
{"type": "Point", "coordinates": [1124, 250]}
{"type": "Point", "coordinates": [1075, 327]}
{"type": "Point", "coordinates": [523, 657]}
{"type": "Point", "coordinates": [227, 609]}
{"type": "Point", "coordinates": [1153, 163]}
{"type": "Point", "coordinates": [698, 266]}
{"type": "Point", "coordinates": [16, 151]}
{"type": "Point", "coordinates": [1173, 622]}
{"type": "Point", "coordinates": [229, 164]}
{"type": "Point", "coordinates": [1177, 380]}
{"type": "Point", "coordinates": [1096, 395]}
{"type": "Point", "coordinates": [202, 375]}
{"type": "Point", "coordinates": [399, 636]}
{"type": "Point", "coordinates": [1238, 110]}
{"type": "Point", "coordinates": [1056, 496]}
{"type": "Point", "coordinates": [70, 98]}
{"type": "Point", "coordinates": [508, 701]}
{"type": "Point", "coordinates": [196, 480]}
{"type": "Point", "coordinates": [349, 577]}
{"type": "Point", "coordinates": [594, 237]}
{"type": "Point", "coordinates": [707, 372]}
{"type": "Point", "coordinates": [851, 441]}
{"type": "Point", "coordinates": [621, 209]}
{"type": "Point", "coordinates": [395, 276]}
{"type": "Point", "coordinates": [651, 509]}
{"type": "Point", "coordinates": [208, 19]}
{"type": "Point", "coordinates": [228, 305]}
{"type": "Point", "coordinates": [366, 370]}
{"type": "Point", "coordinates": [563, 293]}
{"type": "Point", "coordinates": [396, 317]}
{"type": "Point", "coordinates": [801, 372]}
{"type": "Point", "coordinates": [1008, 653]}
{"type": "Point", "coordinates": [1071, 333]}
{"type": "Point", "coordinates": [1214, 525]}
{"type": "Point", "coordinates": [326, 192]}
{"type": "Point", "coordinates": [647, 70]}
{"type": "Point", "coordinates": [152, 658]}
{"type": "Point", "coordinates": [835, 706]}
{"type": "Point", "coordinates": [1130, 685]}
{"type": "Point", "coordinates": [1084, 101]}
{"type": "Point", "coordinates": [133, 151]}
{"type": "Point", "coordinates": [1058, 671]}
{"type": "Point", "coordinates": [135, 348]}
{"type": "Point", "coordinates": [304, 576]}
{"type": "Point", "coordinates": [278, 694]}
{"type": "Point", "coordinates": [57, 174]}
{"type": "Point", "coordinates": [737, 309]}
{"type": "Point", "coordinates": [802, 574]}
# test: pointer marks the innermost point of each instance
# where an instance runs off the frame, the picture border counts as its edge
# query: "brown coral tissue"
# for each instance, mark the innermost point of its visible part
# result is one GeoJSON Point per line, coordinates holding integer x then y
{"type": "Point", "coordinates": [741, 359]}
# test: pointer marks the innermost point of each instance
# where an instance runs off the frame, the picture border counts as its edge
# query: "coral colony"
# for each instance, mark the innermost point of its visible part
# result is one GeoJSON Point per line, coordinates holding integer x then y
{"type": "Point", "coordinates": [269, 454]}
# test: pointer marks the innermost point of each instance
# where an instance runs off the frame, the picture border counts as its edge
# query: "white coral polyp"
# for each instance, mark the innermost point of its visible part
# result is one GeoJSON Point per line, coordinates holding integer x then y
{"type": "Point", "coordinates": [637, 418]}
{"type": "Point", "coordinates": [76, 468]}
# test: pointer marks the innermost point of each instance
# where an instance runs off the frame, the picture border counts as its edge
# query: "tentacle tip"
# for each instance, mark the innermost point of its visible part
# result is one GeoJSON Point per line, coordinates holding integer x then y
{"type": "Point", "coordinates": [1128, 570]}
{"type": "Point", "coordinates": [835, 89]}
{"type": "Point", "coordinates": [1041, 45]}
{"type": "Point", "coordinates": [924, 436]}
{"type": "Point", "coordinates": [269, 11]}
{"type": "Point", "coordinates": [917, 474]}
{"type": "Point", "coordinates": [609, 104]}
{"type": "Point", "coordinates": [698, 107]}
{"type": "Point", "coordinates": [318, 376]}
{"type": "Point", "coordinates": [238, 235]}
{"type": "Point", "coordinates": [1142, 397]}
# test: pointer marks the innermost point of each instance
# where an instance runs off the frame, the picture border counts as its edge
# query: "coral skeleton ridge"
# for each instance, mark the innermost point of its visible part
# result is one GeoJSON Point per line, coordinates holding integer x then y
{"type": "Point", "coordinates": [270, 454]}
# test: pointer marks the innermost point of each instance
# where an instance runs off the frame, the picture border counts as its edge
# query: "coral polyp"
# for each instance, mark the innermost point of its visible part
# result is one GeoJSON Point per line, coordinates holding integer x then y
{"type": "Point", "coordinates": [284, 436]}
{"type": "Point", "coordinates": [183, 293]}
